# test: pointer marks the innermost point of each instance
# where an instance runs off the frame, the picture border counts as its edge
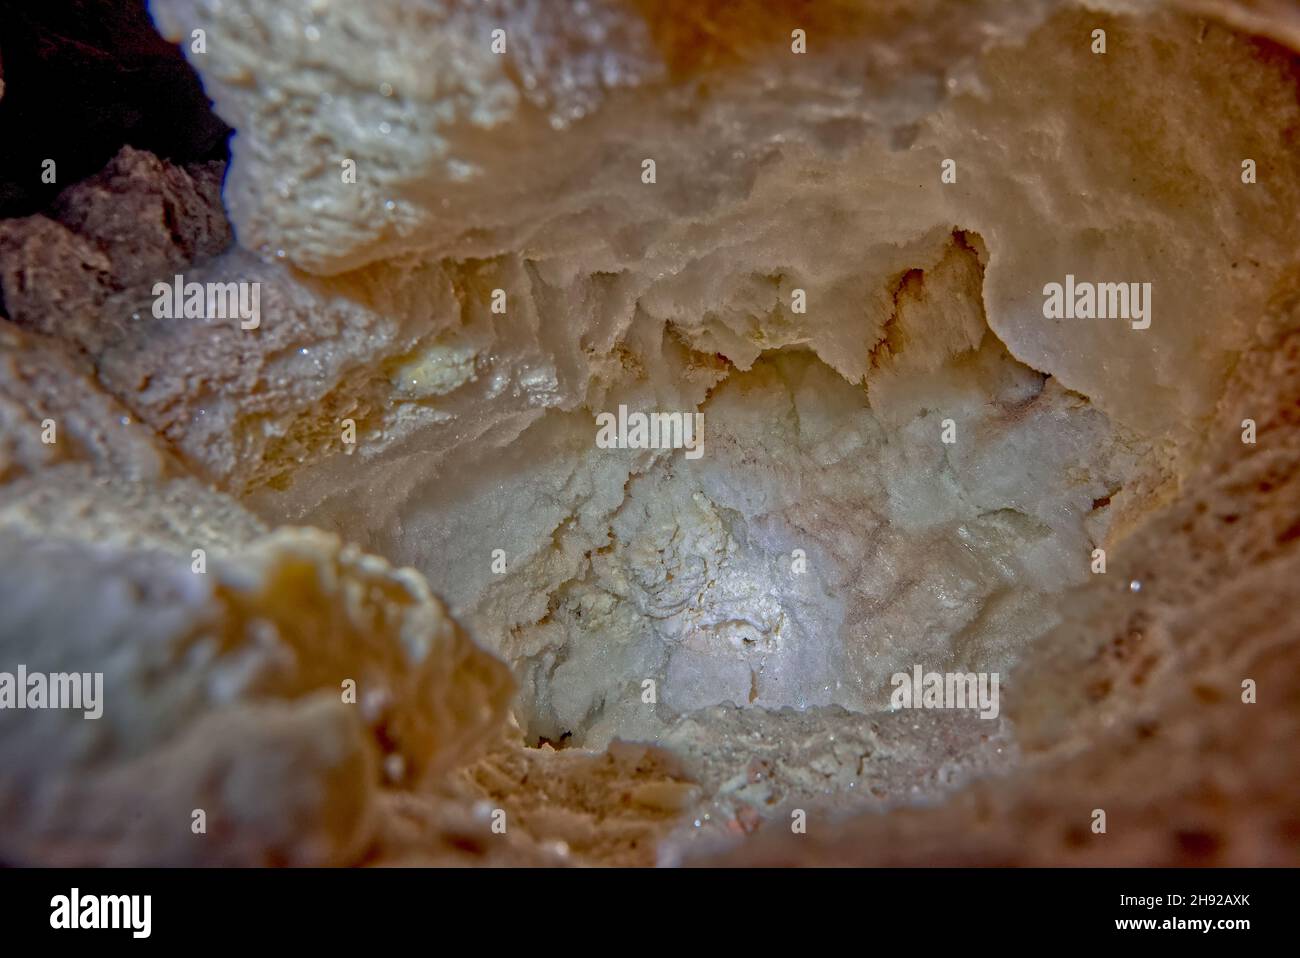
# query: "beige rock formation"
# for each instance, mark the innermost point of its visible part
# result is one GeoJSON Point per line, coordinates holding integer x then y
{"type": "Point", "coordinates": [467, 245]}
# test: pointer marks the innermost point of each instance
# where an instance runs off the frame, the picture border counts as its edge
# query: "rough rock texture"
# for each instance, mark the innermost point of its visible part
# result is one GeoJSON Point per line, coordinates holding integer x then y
{"type": "Point", "coordinates": [226, 686]}
{"type": "Point", "coordinates": [498, 272]}
{"type": "Point", "coordinates": [570, 807]}
{"type": "Point", "coordinates": [1135, 704]}
{"type": "Point", "coordinates": [132, 224]}
{"type": "Point", "coordinates": [223, 674]}
{"type": "Point", "coordinates": [79, 78]}
{"type": "Point", "coordinates": [1034, 139]}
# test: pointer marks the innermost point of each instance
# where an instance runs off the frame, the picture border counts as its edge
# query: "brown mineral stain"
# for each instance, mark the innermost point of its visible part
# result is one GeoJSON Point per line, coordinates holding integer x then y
{"type": "Point", "coordinates": [698, 36]}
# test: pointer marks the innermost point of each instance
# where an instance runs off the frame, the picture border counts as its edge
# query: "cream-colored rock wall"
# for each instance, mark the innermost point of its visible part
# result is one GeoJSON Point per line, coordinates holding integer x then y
{"type": "Point", "coordinates": [778, 176]}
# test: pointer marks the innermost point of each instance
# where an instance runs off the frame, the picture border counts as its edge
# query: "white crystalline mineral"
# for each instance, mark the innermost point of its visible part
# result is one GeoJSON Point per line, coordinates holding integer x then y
{"type": "Point", "coordinates": [470, 246]}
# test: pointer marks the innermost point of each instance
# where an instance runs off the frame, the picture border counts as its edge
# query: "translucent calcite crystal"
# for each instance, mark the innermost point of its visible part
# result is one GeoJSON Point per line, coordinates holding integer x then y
{"type": "Point", "coordinates": [468, 244]}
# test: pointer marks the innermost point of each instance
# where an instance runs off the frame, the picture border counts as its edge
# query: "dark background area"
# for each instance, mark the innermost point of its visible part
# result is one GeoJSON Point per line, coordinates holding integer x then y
{"type": "Point", "coordinates": [82, 78]}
